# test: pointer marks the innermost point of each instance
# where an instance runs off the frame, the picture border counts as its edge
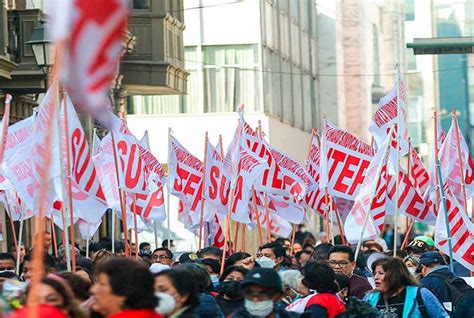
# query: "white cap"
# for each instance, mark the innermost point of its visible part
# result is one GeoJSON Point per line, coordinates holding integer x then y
{"type": "Point", "coordinates": [157, 267]}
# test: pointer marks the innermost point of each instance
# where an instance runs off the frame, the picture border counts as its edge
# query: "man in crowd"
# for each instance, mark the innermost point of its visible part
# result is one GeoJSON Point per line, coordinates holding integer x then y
{"type": "Point", "coordinates": [163, 256]}
{"type": "Point", "coordinates": [144, 246]}
{"type": "Point", "coordinates": [263, 290]}
{"type": "Point", "coordinates": [7, 262]}
{"type": "Point", "coordinates": [271, 255]}
{"type": "Point", "coordinates": [341, 259]}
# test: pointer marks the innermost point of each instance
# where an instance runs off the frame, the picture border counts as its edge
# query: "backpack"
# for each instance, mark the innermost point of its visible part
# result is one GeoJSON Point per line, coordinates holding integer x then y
{"type": "Point", "coordinates": [457, 287]}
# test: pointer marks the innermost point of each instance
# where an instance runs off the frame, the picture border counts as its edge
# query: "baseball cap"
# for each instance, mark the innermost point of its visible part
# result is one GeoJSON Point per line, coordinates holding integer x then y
{"type": "Point", "coordinates": [188, 257]}
{"type": "Point", "coordinates": [431, 257]}
{"type": "Point", "coordinates": [421, 244]}
{"type": "Point", "coordinates": [265, 277]}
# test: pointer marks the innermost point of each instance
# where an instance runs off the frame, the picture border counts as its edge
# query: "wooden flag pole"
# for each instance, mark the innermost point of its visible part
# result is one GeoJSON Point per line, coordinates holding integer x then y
{"type": "Point", "coordinates": [121, 195]}
{"type": "Point", "coordinates": [135, 222]}
{"type": "Point", "coordinates": [461, 164]}
{"type": "Point", "coordinates": [88, 239]}
{"type": "Point", "coordinates": [242, 239]}
{"type": "Point", "coordinates": [326, 201]}
{"type": "Point", "coordinates": [69, 184]}
{"type": "Point", "coordinates": [203, 197]}
{"type": "Point", "coordinates": [227, 225]}
{"type": "Point", "coordinates": [323, 153]}
{"type": "Point", "coordinates": [53, 231]}
{"type": "Point", "coordinates": [397, 170]}
{"type": "Point", "coordinates": [293, 235]}
{"type": "Point", "coordinates": [20, 242]}
{"type": "Point", "coordinates": [12, 226]}
{"type": "Point", "coordinates": [267, 217]}
{"type": "Point", "coordinates": [339, 222]}
{"type": "Point", "coordinates": [257, 216]}
{"type": "Point", "coordinates": [407, 220]}
{"type": "Point", "coordinates": [407, 235]}
{"type": "Point", "coordinates": [236, 235]}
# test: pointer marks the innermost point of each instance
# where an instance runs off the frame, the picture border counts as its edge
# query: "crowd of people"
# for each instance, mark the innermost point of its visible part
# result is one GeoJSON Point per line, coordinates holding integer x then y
{"type": "Point", "coordinates": [281, 280]}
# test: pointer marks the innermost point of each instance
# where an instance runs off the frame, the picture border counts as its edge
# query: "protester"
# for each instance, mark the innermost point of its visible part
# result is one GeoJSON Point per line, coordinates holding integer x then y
{"type": "Point", "coordinates": [79, 286]}
{"type": "Point", "coordinates": [170, 246]}
{"type": "Point", "coordinates": [302, 235]}
{"type": "Point", "coordinates": [22, 252]}
{"type": "Point", "coordinates": [412, 262]}
{"type": "Point", "coordinates": [302, 257]}
{"type": "Point", "coordinates": [101, 256]}
{"type": "Point", "coordinates": [397, 294]}
{"type": "Point", "coordinates": [230, 295]}
{"type": "Point", "coordinates": [321, 251]}
{"type": "Point", "coordinates": [290, 280]}
{"type": "Point", "coordinates": [262, 289]}
{"type": "Point", "coordinates": [55, 291]}
{"type": "Point", "coordinates": [341, 260]}
{"type": "Point", "coordinates": [178, 293]}
{"type": "Point", "coordinates": [241, 259]}
{"type": "Point", "coordinates": [47, 240]}
{"type": "Point", "coordinates": [271, 255]}
{"type": "Point", "coordinates": [48, 263]}
{"type": "Point", "coordinates": [210, 252]}
{"type": "Point", "coordinates": [438, 278]}
{"type": "Point", "coordinates": [297, 248]}
{"type": "Point", "coordinates": [285, 242]}
{"type": "Point", "coordinates": [325, 303]}
{"type": "Point", "coordinates": [420, 245]}
{"type": "Point", "coordinates": [7, 262]}
{"type": "Point", "coordinates": [162, 255]}
{"type": "Point", "coordinates": [207, 303]}
{"type": "Point", "coordinates": [354, 306]}
{"type": "Point", "coordinates": [124, 288]}
{"type": "Point", "coordinates": [144, 246]}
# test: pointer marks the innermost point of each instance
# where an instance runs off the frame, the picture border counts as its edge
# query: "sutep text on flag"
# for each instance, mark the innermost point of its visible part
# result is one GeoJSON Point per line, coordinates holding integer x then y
{"type": "Point", "coordinates": [345, 164]}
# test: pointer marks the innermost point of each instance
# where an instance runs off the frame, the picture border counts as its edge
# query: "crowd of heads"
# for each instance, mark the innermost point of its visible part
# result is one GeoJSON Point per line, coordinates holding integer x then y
{"type": "Point", "coordinates": [280, 277]}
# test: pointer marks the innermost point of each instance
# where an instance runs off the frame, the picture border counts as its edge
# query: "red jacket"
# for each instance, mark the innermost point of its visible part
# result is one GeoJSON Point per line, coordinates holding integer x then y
{"type": "Point", "coordinates": [136, 313]}
{"type": "Point", "coordinates": [330, 302]}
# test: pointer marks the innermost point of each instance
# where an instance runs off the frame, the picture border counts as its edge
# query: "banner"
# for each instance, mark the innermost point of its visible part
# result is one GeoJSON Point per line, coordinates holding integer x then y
{"type": "Point", "coordinates": [94, 40]}
{"type": "Point", "coordinates": [386, 116]}
{"type": "Point", "coordinates": [277, 225]}
{"type": "Point", "coordinates": [370, 201]}
{"type": "Point", "coordinates": [217, 181]}
{"type": "Point", "coordinates": [418, 174]}
{"type": "Point", "coordinates": [344, 162]}
{"type": "Point", "coordinates": [461, 228]}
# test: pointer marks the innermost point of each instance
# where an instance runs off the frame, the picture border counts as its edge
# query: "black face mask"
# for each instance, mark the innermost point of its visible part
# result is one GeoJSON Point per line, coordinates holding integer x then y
{"type": "Point", "coordinates": [232, 288]}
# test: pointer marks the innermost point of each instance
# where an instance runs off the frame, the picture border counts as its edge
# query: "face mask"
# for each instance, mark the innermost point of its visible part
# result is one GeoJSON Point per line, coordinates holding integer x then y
{"type": "Point", "coordinates": [166, 303]}
{"type": "Point", "coordinates": [232, 288]}
{"type": "Point", "coordinates": [259, 308]}
{"type": "Point", "coordinates": [215, 280]}
{"type": "Point", "coordinates": [265, 262]}
{"type": "Point", "coordinates": [412, 271]}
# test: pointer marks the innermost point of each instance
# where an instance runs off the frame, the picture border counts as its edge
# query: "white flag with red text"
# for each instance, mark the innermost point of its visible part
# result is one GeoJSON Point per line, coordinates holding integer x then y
{"type": "Point", "coordinates": [369, 203]}
{"type": "Point", "coordinates": [217, 181]}
{"type": "Point", "coordinates": [418, 174]}
{"type": "Point", "coordinates": [461, 230]}
{"type": "Point", "coordinates": [344, 162]}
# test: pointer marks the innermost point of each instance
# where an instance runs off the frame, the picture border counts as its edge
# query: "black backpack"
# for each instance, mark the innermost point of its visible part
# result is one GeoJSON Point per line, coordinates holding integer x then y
{"type": "Point", "coordinates": [457, 287]}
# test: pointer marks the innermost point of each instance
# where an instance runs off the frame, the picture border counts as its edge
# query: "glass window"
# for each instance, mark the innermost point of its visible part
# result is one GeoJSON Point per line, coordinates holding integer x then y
{"type": "Point", "coordinates": [307, 102]}
{"type": "Point", "coordinates": [297, 98]}
{"type": "Point", "coordinates": [141, 4]}
{"type": "Point", "coordinates": [231, 78]}
{"type": "Point", "coordinates": [409, 10]}
{"type": "Point", "coordinates": [286, 93]}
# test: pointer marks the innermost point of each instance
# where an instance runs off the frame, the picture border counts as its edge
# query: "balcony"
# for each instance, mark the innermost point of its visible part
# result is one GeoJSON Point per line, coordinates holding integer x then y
{"type": "Point", "coordinates": [156, 64]}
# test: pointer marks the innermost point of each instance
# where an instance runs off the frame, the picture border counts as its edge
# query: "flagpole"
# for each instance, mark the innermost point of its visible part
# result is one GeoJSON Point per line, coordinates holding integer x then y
{"type": "Point", "coordinates": [113, 230]}
{"type": "Point", "coordinates": [461, 166]}
{"type": "Point", "coordinates": [242, 239]}
{"type": "Point", "coordinates": [53, 231]}
{"type": "Point", "coordinates": [409, 176]}
{"type": "Point", "coordinates": [121, 195]}
{"type": "Point", "coordinates": [168, 219]}
{"type": "Point", "coordinates": [374, 193]}
{"type": "Point", "coordinates": [445, 210]}
{"type": "Point", "coordinates": [397, 170]}
{"type": "Point", "coordinates": [88, 239]}
{"type": "Point", "coordinates": [257, 216]}
{"type": "Point", "coordinates": [323, 153]}
{"type": "Point", "coordinates": [69, 183]}
{"type": "Point", "coordinates": [236, 235]}
{"type": "Point", "coordinates": [203, 197]}
{"type": "Point", "coordinates": [339, 222]}
{"type": "Point", "coordinates": [5, 122]}
{"type": "Point", "coordinates": [267, 217]}
{"type": "Point", "coordinates": [20, 235]}
{"type": "Point", "coordinates": [135, 222]}
{"type": "Point", "coordinates": [326, 201]}
{"type": "Point", "coordinates": [293, 235]}
{"type": "Point", "coordinates": [8, 211]}
{"type": "Point", "coordinates": [435, 118]}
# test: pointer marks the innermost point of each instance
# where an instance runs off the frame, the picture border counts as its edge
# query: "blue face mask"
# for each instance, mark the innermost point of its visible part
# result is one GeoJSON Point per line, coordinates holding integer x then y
{"type": "Point", "coordinates": [215, 280]}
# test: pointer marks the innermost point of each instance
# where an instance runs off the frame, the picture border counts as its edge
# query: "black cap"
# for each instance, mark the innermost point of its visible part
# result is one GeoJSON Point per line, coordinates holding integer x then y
{"type": "Point", "coordinates": [265, 277]}
{"type": "Point", "coordinates": [431, 258]}
{"type": "Point", "coordinates": [188, 258]}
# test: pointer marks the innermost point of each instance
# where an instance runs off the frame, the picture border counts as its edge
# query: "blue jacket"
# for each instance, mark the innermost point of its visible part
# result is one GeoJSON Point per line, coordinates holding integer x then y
{"type": "Point", "coordinates": [208, 307]}
{"type": "Point", "coordinates": [411, 310]}
{"type": "Point", "coordinates": [436, 284]}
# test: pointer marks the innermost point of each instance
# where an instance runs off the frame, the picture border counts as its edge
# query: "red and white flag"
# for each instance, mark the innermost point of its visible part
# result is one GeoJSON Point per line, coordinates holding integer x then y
{"type": "Point", "coordinates": [186, 180]}
{"type": "Point", "coordinates": [89, 201]}
{"type": "Point", "coordinates": [344, 162]}
{"type": "Point", "coordinates": [92, 34]}
{"type": "Point", "coordinates": [386, 116]}
{"type": "Point", "coordinates": [418, 174]}
{"type": "Point", "coordinates": [451, 165]}
{"type": "Point", "coordinates": [277, 225]}
{"type": "Point", "coordinates": [461, 230]}
{"type": "Point", "coordinates": [370, 201]}
{"type": "Point", "coordinates": [217, 181]}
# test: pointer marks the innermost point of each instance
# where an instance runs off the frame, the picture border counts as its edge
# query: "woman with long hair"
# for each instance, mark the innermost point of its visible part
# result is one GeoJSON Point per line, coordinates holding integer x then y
{"type": "Point", "coordinates": [325, 303]}
{"type": "Point", "coordinates": [396, 293]}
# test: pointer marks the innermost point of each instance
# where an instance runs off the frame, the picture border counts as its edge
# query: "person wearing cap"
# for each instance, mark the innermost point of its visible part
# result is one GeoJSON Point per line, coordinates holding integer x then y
{"type": "Point", "coordinates": [420, 245]}
{"type": "Point", "coordinates": [262, 289]}
{"type": "Point", "coordinates": [434, 271]}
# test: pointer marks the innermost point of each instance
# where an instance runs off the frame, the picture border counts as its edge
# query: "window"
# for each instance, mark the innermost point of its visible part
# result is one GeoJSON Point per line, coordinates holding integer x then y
{"type": "Point", "coordinates": [409, 10]}
{"type": "Point", "coordinates": [141, 4]}
{"type": "Point", "coordinates": [231, 78]}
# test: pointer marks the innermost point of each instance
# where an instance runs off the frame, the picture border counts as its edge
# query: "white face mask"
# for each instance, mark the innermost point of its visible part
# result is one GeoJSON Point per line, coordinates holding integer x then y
{"type": "Point", "coordinates": [265, 262]}
{"type": "Point", "coordinates": [259, 308]}
{"type": "Point", "coordinates": [166, 303]}
{"type": "Point", "coordinates": [412, 271]}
